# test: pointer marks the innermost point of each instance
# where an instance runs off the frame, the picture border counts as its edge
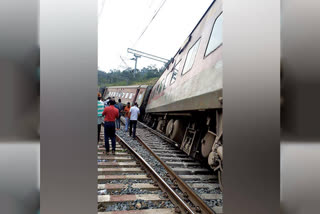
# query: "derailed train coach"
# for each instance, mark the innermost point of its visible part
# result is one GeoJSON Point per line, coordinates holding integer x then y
{"type": "Point", "coordinates": [132, 94]}
{"type": "Point", "coordinates": [186, 102]}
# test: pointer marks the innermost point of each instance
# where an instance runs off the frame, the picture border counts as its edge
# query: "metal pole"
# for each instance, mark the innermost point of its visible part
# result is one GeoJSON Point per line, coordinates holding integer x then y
{"type": "Point", "coordinates": [135, 66]}
{"type": "Point", "coordinates": [150, 56]}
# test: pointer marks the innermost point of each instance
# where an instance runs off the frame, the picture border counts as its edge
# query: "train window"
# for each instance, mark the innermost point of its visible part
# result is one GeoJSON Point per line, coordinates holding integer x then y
{"type": "Point", "coordinates": [152, 93]}
{"type": "Point", "coordinates": [123, 94]}
{"type": "Point", "coordinates": [216, 35]}
{"type": "Point", "coordinates": [127, 94]}
{"type": "Point", "coordinates": [162, 85]}
{"type": "Point", "coordinates": [174, 72]}
{"type": "Point", "coordinates": [131, 94]}
{"type": "Point", "coordinates": [167, 80]}
{"type": "Point", "coordinates": [191, 57]}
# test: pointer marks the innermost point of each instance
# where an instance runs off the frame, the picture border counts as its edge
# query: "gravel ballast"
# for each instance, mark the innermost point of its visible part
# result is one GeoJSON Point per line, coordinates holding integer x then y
{"type": "Point", "coordinates": [159, 168]}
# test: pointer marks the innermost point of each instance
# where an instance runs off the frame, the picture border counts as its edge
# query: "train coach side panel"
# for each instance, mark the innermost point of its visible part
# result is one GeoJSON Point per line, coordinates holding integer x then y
{"type": "Point", "coordinates": [200, 87]}
{"type": "Point", "coordinates": [204, 89]}
{"type": "Point", "coordinates": [126, 94]}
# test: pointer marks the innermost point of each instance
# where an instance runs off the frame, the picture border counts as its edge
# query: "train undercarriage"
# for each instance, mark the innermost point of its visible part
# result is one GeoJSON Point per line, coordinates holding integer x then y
{"type": "Point", "coordinates": [198, 134]}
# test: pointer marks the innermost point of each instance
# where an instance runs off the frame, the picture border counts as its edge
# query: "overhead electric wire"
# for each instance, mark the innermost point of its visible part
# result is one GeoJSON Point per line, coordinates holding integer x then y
{"type": "Point", "coordinates": [154, 16]}
{"type": "Point", "coordinates": [101, 11]}
{"type": "Point", "coordinates": [145, 29]}
{"type": "Point", "coordinates": [126, 65]}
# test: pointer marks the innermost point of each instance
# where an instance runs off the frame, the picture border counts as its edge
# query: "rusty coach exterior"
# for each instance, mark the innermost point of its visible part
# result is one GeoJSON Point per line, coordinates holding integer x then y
{"type": "Point", "coordinates": [132, 94]}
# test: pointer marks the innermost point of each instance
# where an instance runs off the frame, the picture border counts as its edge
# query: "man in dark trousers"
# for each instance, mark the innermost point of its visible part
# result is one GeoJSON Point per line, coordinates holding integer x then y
{"type": "Point", "coordinates": [110, 114]}
{"type": "Point", "coordinates": [119, 106]}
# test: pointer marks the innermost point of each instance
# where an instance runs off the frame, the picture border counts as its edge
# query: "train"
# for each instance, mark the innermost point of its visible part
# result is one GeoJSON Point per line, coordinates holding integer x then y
{"type": "Point", "coordinates": [185, 103]}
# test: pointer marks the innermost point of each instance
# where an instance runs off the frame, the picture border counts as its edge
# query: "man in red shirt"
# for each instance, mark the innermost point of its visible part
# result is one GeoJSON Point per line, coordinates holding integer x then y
{"type": "Point", "coordinates": [110, 114]}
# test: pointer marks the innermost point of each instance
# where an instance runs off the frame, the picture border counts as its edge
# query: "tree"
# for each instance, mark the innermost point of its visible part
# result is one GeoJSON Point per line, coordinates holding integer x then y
{"type": "Point", "coordinates": [147, 75]}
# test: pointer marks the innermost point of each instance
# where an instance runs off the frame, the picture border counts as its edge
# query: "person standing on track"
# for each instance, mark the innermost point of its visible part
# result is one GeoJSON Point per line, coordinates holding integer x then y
{"type": "Point", "coordinates": [106, 102]}
{"type": "Point", "coordinates": [110, 113]}
{"type": "Point", "coordinates": [100, 117]}
{"type": "Point", "coordinates": [126, 115]}
{"type": "Point", "coordinates": [134, 113]}
{"type": "Point", "coordinates": [120, 108]}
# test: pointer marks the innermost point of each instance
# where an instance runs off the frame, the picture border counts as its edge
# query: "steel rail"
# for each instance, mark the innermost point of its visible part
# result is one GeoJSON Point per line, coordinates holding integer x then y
{"type": "Point", "coordinates": [175, 198]}
{"type": "Point", "coordinates": [174, 143]}
{"type": "Point", "coordinates": [190, 194]}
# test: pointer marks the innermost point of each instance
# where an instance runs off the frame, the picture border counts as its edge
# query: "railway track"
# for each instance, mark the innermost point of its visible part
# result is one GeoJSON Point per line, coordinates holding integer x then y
{"type": "Point", "coordinates": [196, 181]}
{"type": "Point", "coordinates": [128, 182]}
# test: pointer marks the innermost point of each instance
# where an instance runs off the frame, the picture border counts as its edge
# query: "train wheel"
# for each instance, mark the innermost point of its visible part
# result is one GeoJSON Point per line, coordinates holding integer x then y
{"type": "Point", "coordinates": [177, 131]}
{"type": "Point", "coordinates": [216, 164]}
{"type": "Point", "coordinates": [169, 128]}
{"type": "Point", "coordinates": [207, 143]}
{"type": "Point", "coordinates": [159, 126]}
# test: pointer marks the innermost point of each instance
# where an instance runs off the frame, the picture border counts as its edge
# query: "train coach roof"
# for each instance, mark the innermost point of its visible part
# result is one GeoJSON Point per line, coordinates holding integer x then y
{"type": "Point", "coordinates": [187, 40]}
{"type": "Point", "coordinates": [129, 86]}
{"type": "Point", "coordinates": [188, 37]}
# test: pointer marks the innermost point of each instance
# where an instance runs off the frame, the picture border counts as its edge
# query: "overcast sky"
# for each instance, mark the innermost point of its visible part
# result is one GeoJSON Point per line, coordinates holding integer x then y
{"type": "Point", "coordinates": [121, 23]}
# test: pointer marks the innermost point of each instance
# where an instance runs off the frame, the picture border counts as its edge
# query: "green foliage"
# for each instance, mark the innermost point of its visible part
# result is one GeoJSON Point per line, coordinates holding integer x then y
{"type": "Point", "coordinates": [146, 76]}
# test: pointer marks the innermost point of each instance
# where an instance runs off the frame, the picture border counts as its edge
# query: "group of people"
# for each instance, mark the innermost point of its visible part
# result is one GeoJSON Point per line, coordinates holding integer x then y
{"type": "Point", "coordinates": [109, 114]}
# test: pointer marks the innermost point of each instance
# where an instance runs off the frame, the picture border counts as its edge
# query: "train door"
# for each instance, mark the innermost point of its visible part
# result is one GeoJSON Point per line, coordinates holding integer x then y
{"type": "Point", "coordinates": [136, 96]}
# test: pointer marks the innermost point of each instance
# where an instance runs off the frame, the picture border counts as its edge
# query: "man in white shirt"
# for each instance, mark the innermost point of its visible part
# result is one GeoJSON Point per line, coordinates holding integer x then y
{"type": "Point", "coordinates": [134, 113]}
{"type": "Point", "coordinates": [106, 102]}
